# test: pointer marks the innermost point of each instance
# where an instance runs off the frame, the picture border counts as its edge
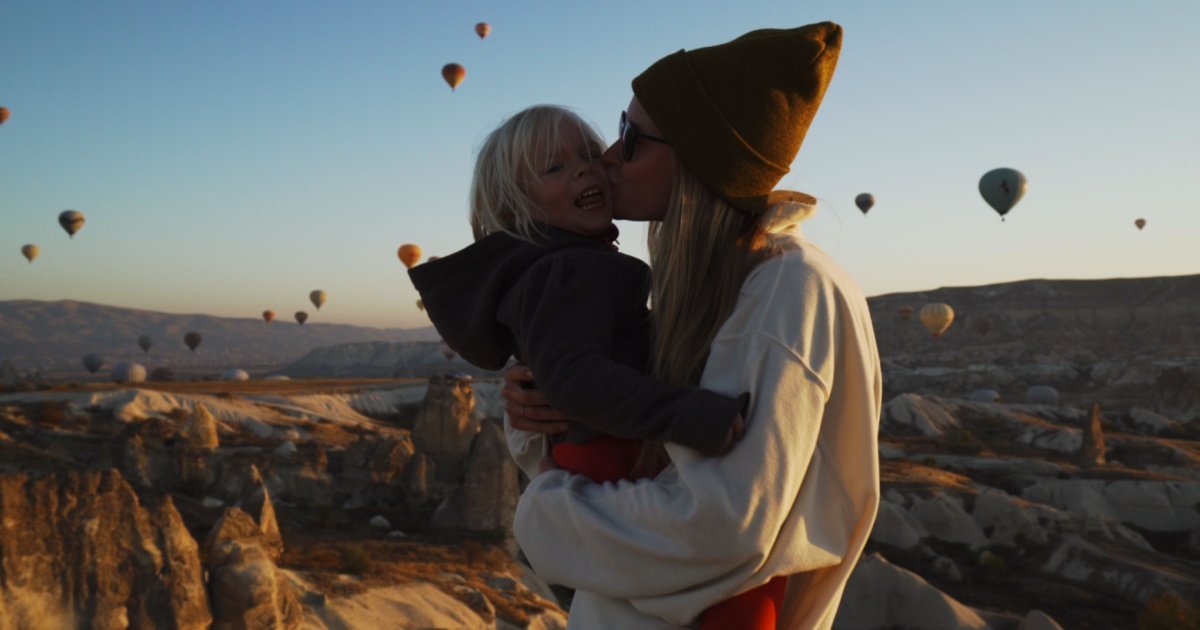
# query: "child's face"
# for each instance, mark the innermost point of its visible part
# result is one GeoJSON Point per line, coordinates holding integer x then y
{"type": "Point", "coordinates": [571, 188]}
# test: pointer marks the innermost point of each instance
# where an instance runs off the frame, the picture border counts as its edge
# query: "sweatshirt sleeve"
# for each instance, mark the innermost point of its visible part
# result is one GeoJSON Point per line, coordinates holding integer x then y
{"type": "Point", "coordinates": [526, 447]}
{"type": "Point", "coordinates": [705, 528]}
{"type": "Point", "coordinates": [565, 313]}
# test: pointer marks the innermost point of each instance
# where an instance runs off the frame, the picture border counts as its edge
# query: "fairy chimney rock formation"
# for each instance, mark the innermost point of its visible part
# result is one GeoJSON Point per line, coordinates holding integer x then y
{"type": "Point", "coordinates": [446, 425]}
{"type": "Point", "coordinates": [200, 430]}
{"type": "Point", "coordinates": [81, 546]}
{"type": "Point", "coordinates": [416, 479]}
{"type": "Point", "coordinates": [257, 503]}
{"type": "Point", "coordinates": [1091, 451]}
{"type": "Point", "coordinates": [248, 590]}
{"type": "Point", "coordinates": [491, 488]}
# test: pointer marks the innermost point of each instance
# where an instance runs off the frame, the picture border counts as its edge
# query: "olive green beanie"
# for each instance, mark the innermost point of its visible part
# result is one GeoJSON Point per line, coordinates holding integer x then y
{"type": "Point", "coordinates": [736, 113]}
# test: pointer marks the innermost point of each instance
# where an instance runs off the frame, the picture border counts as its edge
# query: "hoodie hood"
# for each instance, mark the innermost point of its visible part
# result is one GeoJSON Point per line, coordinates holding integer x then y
{"type": "Point", "coordinates": [462, 292]}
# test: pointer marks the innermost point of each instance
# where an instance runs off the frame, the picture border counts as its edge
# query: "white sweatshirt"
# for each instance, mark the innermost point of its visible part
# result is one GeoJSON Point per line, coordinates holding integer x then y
{"type": "Point", "coordinates": [797, 496]}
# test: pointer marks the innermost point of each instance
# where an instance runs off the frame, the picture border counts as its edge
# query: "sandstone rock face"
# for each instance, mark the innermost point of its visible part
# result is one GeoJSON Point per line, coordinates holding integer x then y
{"type": "Point", "coordinates": [945, 519]}
{"type": "Point", "coordinates": [491, 488]}
{"type": "Point", "coordinates": [200, 430]}
{"type": "Point", "coordinates": [1177, 390]}
{"type": "Point", "coordinates": [882, 595]}
{"type": "Point", "coordinates": [84, 544]}
{"type": "Point", "coordinates": [1150, 422]}
{"type": "Point", "coordinates": [248, 590]}
{"type": "Point", "coordinates": [1159, 506]}
{"type": "Point", "coordinates": [416, 479]}
{"type": "Point", "coordinates": [446, 425]}
{"type": "Point", "coordinates": [257, 503]}
{"type": "Point", "coordinates": [897, 527]}
{"type": "Point", "coordinates": [487, 498]}
{"type": "Point", "coordinates": [303, 477]}
{"type": "Point", "coordinates": [372, 468]}
{"type": "Point", "coordinates": [915, 413]}
{"type": "Point", "coordinates": [1012, 521]}
{"type": "Point", "coordinates": [1114, 573]}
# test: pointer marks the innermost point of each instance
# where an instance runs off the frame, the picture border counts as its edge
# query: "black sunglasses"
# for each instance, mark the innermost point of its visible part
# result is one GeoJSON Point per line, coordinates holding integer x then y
{"type": "Point", "coordinates": [630, 134]}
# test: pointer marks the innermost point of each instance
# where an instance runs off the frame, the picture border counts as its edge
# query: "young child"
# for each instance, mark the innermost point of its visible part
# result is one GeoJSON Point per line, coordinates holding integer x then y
{"type": "Point", "coordinates": [542, 283]}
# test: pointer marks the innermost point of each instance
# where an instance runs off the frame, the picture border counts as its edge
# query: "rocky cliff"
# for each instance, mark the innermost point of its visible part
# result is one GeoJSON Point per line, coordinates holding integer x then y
{"type": "Point", "coordinates": [79, 549]}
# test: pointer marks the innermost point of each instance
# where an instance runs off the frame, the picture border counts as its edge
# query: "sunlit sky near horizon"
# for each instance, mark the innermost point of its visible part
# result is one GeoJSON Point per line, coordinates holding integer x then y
{"type": "Point", "coordinates": [231, 157]}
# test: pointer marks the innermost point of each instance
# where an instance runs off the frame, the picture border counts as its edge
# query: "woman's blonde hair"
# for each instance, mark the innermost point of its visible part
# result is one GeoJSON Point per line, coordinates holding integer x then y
{"type": "Point", "coordinates": [701, 253]}
{"type": "Point", "coordinates": [519, 149]}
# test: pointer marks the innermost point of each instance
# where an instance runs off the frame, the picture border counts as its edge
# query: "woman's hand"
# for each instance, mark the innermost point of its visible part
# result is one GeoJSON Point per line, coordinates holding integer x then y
{"type": "Point", "coordinates": [525, 405]}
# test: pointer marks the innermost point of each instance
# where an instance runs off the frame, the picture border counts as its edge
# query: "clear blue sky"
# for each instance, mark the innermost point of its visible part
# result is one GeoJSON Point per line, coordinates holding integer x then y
{"type": "Point", "coordinates": [232, 156]}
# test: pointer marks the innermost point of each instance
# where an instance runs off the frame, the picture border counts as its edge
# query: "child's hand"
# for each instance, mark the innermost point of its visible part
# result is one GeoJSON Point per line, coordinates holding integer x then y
{"type": "Point", "coordinates": [736, 431]}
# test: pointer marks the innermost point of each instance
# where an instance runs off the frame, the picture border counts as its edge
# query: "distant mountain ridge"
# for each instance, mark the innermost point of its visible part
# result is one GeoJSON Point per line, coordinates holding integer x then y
{"type": "Point", "coordinates": [1078, 321]}
{"type": "Point", "coordinates": [1112, 318]}
{"type": "Point", "coordinates": [53, 335]}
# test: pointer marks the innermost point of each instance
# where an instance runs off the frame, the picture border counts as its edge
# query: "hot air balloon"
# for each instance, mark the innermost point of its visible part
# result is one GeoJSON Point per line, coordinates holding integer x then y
{"type": "Point", "coordinates": [71, 221]}
{"type": "Point", "coordinates": [3, 115]}
{"type": "Point", "coordinates": [301, 317]}
{"type": "Point", "coordinates": [453, 73]}
{"type": "Point", "coordinates": [447, 351]}
{"type": "Point", "coordinates": [937, 317]}
{"type": "Point", "coordinates": [30, 251]}
{"type": "Point", "coordinates": [192, 340]}
{"type": "Point", "coordinates": [983, 326]}
{"type": "Point", "coordinates": [128, 373]}
{"type": "Point", "coordinates": [1002, 188]}
{"type": "Point", "coordinates": [1140, 223]}
{"type": "Point", "coordinates": [482, 29]}
{"type": "Point", "coordinates": [409, 254]}
{"type": "Point", "coordinates": [905, 312]}
{"type": "Point", "coordinates": [145, 342]}
{"type": "Point", "coordinates": [420, 305]}
{"type": "Point", "coordinates": [317, 298]}
{"type": "Point", "coordinates": [92, 362]}
{"type": "Point", "coordinates": [268, 316]}
{"type": "Point", "coordinates": [235, 374]}
{"type": "Point", "coordinates": [864, 202]}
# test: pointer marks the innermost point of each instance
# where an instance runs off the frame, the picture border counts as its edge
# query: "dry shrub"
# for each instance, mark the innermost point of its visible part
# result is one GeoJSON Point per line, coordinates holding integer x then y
{"type": "Point", "coordinates": [355, 560]}
{"type": "Point", "coordinates": [1167, 611]}
{"type": "Point", "coordinates": [960, 441]}
{"type": "Point", "coordinates": [52, 413]}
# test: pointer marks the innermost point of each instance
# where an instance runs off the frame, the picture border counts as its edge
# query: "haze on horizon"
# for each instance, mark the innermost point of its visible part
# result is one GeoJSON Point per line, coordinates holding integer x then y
{"type": "Point", "coordinates": [232, 158]}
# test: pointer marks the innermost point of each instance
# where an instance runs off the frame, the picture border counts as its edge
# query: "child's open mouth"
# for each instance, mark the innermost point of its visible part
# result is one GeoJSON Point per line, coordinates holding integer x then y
{"type": "Point", "coordinates": [590, 199]}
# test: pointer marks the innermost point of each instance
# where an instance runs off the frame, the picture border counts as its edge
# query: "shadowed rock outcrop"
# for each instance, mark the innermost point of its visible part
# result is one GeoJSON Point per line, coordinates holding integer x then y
{"type": "Point", "coordinates": [80, 548]}
{"type": "Point", "coordinates": [446, 425]}
{"type": "Point", "coordinates": [248, 591]}
{"type": "Point", "coordinates": [491, 488]}
{"type": "Point", "coordinates": [487, 498]}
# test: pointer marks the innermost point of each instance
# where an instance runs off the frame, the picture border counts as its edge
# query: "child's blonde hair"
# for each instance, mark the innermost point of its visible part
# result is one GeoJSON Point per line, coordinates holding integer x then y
{"type": "Point", "coordinates": [520, 148]}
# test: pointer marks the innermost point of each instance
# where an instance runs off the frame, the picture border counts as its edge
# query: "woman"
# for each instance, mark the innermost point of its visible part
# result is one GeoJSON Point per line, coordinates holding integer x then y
{"type": "Point", "coordinates": [741, 303]}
